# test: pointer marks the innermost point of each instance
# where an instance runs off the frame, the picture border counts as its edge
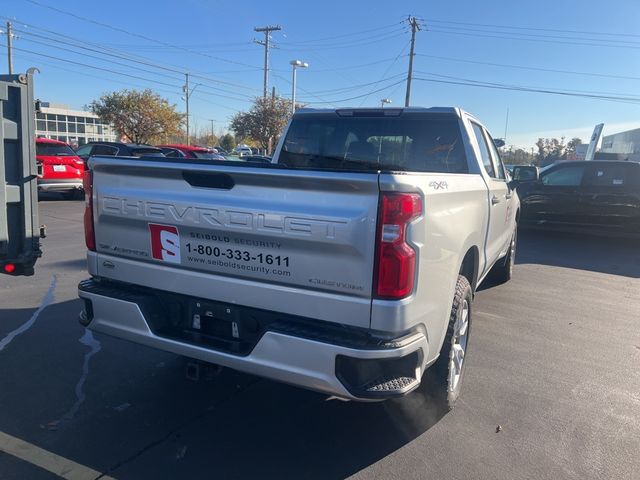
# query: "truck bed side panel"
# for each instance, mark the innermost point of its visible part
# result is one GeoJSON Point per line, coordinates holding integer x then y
{"type": "Point", "coordinates": [454, 220]}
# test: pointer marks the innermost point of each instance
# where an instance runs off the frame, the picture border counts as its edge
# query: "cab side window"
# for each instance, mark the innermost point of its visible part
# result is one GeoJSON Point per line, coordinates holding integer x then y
{"type": "Point", "coordinates": [484, 150]}
{"type": "Point", "coordinates": [104, 150]}
{"type": "Point", "coordinates": [565, 176]}
{"type": "Point", "coordinates": [84, 150]}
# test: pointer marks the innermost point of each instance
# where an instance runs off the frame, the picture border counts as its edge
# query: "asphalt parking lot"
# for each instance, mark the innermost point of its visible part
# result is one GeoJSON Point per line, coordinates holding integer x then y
{"type": "Point", "coordinates": [554, 361]}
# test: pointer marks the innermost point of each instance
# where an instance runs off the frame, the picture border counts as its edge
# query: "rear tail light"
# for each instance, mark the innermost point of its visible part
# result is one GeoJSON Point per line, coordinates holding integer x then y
{"type": "Point", "coordinates": [89, 232]}
{"type": "Point", "coordinates": [395, 258]}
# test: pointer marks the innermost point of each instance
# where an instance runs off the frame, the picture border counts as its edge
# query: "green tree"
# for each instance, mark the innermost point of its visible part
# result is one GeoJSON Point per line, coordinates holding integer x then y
{"type": "Point", "coordinates": [264, 122]}
{"type": "Point", "coordinates": [550, 150]}
{"type": "Point", "coordinates": [573, 143]}
{"type": "Point", "coordinates": [227, 142]}
{"type": "Point", "coordinates": [139, 116]}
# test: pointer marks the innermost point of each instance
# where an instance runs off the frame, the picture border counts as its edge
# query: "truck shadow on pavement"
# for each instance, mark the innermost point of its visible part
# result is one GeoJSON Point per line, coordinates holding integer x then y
{"type": "Point", "coordinates": [616, 256]}
{"type": "Point", "coordinates": [142, 418]}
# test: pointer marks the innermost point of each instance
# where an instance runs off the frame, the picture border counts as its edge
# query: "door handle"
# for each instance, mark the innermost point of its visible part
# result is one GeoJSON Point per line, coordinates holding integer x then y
{"type": "Point", "coordinates": [495, 200]}
{"type": "Point", "coordinates": [508, 195]}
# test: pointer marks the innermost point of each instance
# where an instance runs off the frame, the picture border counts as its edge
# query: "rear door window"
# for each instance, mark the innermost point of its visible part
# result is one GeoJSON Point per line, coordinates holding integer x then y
{"type": "Point", "coordinates": [614, 175]}
{"type": "Point", "coordinates": [484, 150]}
{"type": "Point", "coordinates": [497, 161]}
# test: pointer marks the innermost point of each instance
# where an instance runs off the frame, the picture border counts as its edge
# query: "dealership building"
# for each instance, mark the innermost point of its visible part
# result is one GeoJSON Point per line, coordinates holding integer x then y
{"type": "Point", "coordinates": [75, 127]}
{"type": "Point", "coordinates": [625, 145]}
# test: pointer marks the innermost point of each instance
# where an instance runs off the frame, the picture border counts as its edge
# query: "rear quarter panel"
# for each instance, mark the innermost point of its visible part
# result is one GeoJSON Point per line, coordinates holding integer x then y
{"type": "Point", "coordinates": [454, 219]}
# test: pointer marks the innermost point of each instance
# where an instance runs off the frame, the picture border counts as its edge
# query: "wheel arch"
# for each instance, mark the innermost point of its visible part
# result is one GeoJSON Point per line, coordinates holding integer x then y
{"type": "Point", "coordinates": [470, 265]}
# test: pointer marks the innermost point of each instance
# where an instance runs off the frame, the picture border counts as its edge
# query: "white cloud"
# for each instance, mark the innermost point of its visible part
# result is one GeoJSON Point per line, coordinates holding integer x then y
{"type": "Point", "coordinates": [528, 140]}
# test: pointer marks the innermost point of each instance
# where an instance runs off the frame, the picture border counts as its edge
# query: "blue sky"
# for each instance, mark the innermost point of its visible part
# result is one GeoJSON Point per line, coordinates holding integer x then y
{"type": "Point", "coordinates": [353, 48]}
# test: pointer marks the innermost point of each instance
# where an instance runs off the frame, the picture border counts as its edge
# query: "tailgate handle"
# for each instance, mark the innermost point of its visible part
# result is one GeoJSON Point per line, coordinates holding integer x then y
{"type": "Point", "coordinates": [221, 181]}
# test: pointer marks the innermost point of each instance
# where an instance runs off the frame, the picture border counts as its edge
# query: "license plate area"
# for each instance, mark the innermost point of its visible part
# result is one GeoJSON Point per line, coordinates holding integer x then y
{"type": "Point", "coordinates": [59, 168]}
{"type": "Point", "coordinates": [220, 322]}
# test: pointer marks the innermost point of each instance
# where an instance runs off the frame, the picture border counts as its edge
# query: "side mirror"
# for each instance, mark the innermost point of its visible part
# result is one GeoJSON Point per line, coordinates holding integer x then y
{"type": "Point", "coordinates": [525, 173]}
{"type": "Point", "coordinates": [499, 142]}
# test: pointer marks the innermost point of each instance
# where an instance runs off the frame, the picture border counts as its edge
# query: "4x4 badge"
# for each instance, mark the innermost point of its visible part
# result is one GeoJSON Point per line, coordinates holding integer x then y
{"type": "Point", "coordinates": [439, 185]}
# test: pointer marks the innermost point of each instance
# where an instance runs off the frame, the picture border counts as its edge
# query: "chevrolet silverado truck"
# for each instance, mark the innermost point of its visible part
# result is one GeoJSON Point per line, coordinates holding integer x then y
{"type": "Point", "coordinates": [348, 265]}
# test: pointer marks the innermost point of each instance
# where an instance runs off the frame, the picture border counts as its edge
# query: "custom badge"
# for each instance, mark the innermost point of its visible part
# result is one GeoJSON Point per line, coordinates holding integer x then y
{"type": "Point", "coordinates": [165, 243]}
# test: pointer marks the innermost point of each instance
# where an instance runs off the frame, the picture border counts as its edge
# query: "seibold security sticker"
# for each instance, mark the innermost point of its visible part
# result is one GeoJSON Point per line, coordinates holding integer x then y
{"type": "Point", "coordinates": [165, 242]}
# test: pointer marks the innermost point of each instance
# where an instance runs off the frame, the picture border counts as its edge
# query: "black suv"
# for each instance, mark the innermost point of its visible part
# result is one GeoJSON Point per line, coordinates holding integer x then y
{"type": "Point", "coordinates": [601, 195]}
{"type": "Point", "coordinates": [117, 148]}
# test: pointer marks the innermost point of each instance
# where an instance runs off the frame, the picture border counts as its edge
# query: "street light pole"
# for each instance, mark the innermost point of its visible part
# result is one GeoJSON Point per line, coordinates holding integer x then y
{"type": "Point", "coordinates": [383, 101]}
{"type": "Point", "coordinates": [295, 64]}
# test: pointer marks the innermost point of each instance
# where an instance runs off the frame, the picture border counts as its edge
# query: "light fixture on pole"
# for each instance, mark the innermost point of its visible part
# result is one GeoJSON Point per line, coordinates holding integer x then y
{"type": "Point", "coordinates": [295, 64]}
{"type": "Point", "coordinates": [383, 101]}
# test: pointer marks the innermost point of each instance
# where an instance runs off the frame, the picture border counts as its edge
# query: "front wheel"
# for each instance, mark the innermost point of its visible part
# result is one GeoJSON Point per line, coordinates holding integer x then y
{"type": "Point", "coordinates": [447, 373]}
{"type": "Point", "coordinates": [503, 270]}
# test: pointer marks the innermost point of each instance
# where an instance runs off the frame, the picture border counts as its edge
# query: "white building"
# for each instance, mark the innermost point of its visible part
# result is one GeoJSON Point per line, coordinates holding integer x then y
{"type": "Point", "coordinates": [624, 144]}
{"type": "Point", "coordinates": [72, 126]}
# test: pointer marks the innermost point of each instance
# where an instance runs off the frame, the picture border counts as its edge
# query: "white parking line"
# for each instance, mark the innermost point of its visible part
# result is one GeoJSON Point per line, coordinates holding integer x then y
{"type": "Point", "coordinates": [48, 298]}
{"type": "Point", "coordinates": [60, 466]}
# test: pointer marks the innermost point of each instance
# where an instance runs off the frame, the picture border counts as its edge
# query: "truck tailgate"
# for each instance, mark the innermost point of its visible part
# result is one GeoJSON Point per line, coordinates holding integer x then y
{"type": "Point", "coordinates": [246, 235]}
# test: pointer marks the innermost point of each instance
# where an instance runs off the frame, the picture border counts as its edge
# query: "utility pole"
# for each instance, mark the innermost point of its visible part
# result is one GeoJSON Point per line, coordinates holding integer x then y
{"type": "Point", "coordinates": [187, 94]}
{"type": "Point", "coordinates": [266, 44]}
{"type": "Point", "coordinates": [415, 26]}
{"type": "Point", "coordinates": [211, 129]}
{"type": "Point", "coordinates": [10, 47]}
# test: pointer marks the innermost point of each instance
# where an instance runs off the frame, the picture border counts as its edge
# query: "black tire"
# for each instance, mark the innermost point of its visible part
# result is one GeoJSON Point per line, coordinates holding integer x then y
{"type": "Point", "coordinates": [75, 194]}
{"type": "Point", "coordinates": [503, 270]}
{"type": "Point", "coordinates": [438, 379]}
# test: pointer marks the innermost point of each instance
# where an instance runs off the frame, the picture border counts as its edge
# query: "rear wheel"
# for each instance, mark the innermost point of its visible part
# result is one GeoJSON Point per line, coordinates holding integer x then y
{"type": "Point", "coordinates": [444, 378]}
{"type": "Point", "coordinates": [75, 194]}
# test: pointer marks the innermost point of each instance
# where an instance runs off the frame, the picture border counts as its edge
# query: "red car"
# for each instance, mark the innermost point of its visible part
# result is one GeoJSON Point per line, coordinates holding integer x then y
{"type": "Point", "coordinates": [62, 170]}
{"type": "Point", "coordinates": [189, 151]}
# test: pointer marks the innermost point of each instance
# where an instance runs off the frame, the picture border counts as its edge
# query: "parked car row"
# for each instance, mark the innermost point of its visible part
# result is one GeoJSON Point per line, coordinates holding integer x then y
{"type": "Point", "coordinates": [61, 169]}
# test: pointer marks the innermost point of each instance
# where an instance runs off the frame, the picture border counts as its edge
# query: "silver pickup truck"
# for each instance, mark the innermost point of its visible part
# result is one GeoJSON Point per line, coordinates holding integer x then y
{"type": "Point", "coordinates": [348, 265]}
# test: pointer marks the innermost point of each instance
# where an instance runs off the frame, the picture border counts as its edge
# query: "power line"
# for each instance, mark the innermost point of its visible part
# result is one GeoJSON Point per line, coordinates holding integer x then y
{"type": "Point", "coordinates": [622, 43]}
{"type": "Point", "coordinates": [94, 67]}
{"type": "Point", "coordinates": [473, 83]}
{"type": "Point", "coordinates": [342, 100]}
{"type": "Point", "coordinates": [541, 69]}
{"type": "Point", "coordinates": [525, 86]}
{"type": "Point", "coordinates": [350, 34]}
{"type": "Point", "coordinates": [390, 67]}
{"type": "Point", "coordinates": [104, 50]}
{"type": "Point", "coordinates": [357, 87]}
{"type": "Point", "coordinates": [335, 46]}
{"type": "Point", "coordinates": [134, 34]}
{"type": "Point", "coordinates": [150, 72]}
{"type": "Point", "coordinates": [515, 27]}
{"type": "Point", "coordinates": [303, 90]}
{"type": "Point", "coordinates": [538, 40]}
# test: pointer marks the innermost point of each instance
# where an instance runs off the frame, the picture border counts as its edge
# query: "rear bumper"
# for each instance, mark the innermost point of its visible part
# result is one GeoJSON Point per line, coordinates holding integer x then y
{"type": "Point", "coordinates": [390, 369]}
{"type": "Point", "coordinates": [55, 185]}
